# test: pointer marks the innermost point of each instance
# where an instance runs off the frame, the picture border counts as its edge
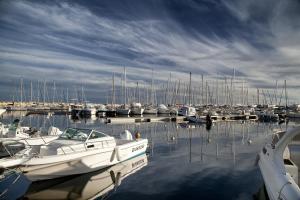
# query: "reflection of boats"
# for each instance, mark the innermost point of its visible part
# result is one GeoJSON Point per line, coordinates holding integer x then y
{"type": "Point", "coordinates": [89, 186]}
{"type": "Point", "coordinates": [12, 185]}
{"type": "Point", "coordinates": [2, 111]}
{"type": "Point", "coordinates": [196, 119]}
{"type": "Point", "coordinates": [76, 151]}
{"type": "Point", "coordinates": [279, 171]}
{"type": "Point", "coordinates": [88, 110]}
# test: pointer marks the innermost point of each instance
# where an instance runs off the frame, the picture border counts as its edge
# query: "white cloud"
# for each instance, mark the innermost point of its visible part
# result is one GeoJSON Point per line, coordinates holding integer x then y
{"type": "Point", "coordinates": [89, 46]}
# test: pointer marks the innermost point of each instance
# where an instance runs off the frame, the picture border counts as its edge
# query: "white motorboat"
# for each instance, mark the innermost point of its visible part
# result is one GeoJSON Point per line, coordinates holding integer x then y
{"type": "Point", "coordinates": [91, 185]}
{"type": "Point", "coordinates": [278, 168]}
{"type": "Point", "coordinates": [76, 151]}
{"type": "Point", "coordinates": [17, 139]}
{"type": "Point", "coordinates": [15, 131]}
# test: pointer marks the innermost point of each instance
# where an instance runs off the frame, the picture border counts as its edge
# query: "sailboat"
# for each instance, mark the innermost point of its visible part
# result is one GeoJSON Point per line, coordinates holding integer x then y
{"type": "Point", "coordinates": [124, 110]}
{"type": "Point", "coordinates": [150, 109]}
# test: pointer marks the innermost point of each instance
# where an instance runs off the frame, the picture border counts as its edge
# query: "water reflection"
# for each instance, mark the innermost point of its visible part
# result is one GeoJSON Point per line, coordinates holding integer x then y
{"type": "Point", "coordinates": [88, 186]}
{"type": "Point", "coordinates": [186, 160]}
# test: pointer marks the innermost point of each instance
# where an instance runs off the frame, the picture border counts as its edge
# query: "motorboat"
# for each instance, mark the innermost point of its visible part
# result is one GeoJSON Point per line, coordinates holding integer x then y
{"type": "Point", "coordinates": [88, 186]}
{"type": "Point", "coordinates": [278, 162]}
{"type": "Point", "coordinates": [76, 151]}
{"type": "Point", "coordinates": [14, 130]}
{"type": "Point", "coordinates": [18, 138]}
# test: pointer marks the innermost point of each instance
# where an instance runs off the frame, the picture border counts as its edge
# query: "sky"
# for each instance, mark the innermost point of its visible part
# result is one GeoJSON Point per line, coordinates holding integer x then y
{"type": "Point", "coordinates": [82, 43]}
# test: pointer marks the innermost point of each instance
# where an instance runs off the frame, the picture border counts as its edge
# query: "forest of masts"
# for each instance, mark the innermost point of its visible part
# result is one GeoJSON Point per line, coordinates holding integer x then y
{"type": "Point", "coordinates": [195, 91]}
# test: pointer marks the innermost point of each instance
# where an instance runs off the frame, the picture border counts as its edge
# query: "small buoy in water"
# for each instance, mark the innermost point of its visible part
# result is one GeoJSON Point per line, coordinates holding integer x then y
{"type": "Point", "coordinates": [172, 138]}
{"type": "Point", "coordinates": [137, 135]}
{"type": "Point", "coordinates": [249, 141]}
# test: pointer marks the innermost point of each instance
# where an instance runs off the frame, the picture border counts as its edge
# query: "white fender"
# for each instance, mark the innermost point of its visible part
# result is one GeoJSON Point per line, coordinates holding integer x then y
{"type": "Point", "coordinates": [117, 153]}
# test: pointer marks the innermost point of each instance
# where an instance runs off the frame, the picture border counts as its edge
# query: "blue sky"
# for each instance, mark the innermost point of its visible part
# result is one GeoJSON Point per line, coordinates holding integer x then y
{"type": "Point", "coordinates": [84, 42]}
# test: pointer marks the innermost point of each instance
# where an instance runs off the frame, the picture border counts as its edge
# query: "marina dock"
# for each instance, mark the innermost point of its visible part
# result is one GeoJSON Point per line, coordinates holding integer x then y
{"type": "Point", "coordinates": [121, 120]}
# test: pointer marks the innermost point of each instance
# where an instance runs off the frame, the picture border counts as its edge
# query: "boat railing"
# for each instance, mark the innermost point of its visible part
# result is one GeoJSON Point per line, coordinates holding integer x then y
{"type": "Point", "coordinates": [276, 137]}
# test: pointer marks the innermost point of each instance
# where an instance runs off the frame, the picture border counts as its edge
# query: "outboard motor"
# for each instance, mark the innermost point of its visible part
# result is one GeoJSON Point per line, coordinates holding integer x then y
{"type": "Point", "coordinates": [126, 135]}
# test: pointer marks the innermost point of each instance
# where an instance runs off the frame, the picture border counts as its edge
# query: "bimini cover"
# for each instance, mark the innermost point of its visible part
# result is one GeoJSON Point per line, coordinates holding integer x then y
{"type": "Point", "coordinates": [126, 135]}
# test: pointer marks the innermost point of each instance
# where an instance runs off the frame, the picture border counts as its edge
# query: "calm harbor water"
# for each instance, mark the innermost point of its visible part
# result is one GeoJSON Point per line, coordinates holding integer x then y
{"type": "Point", "coordinates": [183, 162]}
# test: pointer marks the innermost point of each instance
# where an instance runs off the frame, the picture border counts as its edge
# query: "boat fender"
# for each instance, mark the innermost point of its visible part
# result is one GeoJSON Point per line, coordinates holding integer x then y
{"type": "Point", "coordinates": [118, 179]}
{"type": "Point", "coordinates": [137, 135]}
{"type": "Point", "coordinates": [117, 152]}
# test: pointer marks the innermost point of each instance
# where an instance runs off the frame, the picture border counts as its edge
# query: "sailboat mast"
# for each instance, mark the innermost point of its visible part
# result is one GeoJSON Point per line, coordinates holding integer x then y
{"type": "Point", "coordinates": [30, 91]}
{"type": "Point", "coordinates": [113, 91]}
{"type": "Point", "coordinates": [44, 99]}
{"type": "Point", "coordinates": [21, 91]}
{"type": "Point", "coordinates": [152, 95]}
{"type": "Point", "coordinates": [190, 88]}
{"type": "Point", "coordinates": [286, 98]}
{"type": "Point", "coordinates": [125, 94]}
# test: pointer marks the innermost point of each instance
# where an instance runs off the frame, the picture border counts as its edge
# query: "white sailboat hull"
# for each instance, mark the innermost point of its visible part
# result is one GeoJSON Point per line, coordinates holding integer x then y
{"type": "Point", "coordinates": [163, 111]}
{"type": "Point", "coordinates": [121, 111]}
{"type": "Point", "coordinates": [137, 111]}
{"type": "Point", "coordinates": [152, 111]}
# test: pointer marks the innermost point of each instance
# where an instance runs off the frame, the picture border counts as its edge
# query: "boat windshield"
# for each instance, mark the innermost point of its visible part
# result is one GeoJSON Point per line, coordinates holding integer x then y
{"type": "Point", "coordinates": [96, 134]}
{"type": "Point", "coordinates": [75, 134]}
